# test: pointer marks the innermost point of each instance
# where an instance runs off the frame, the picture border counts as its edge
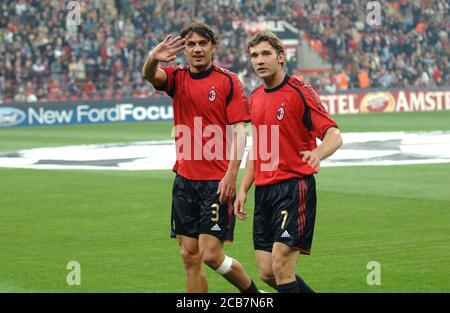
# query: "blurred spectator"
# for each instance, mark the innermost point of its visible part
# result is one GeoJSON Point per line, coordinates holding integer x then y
{"type": "Point", "coordinates": [104, 55]}
{"type": "Point", "coordinates": [38, 67]}
{"type": "Point", "coordinates": [363, 78]}
{"type": "Point", "coordinates": [341, 80]}
{"type": "Point", "coordinates": [31, 97]}
{"type": "Point", "coordinates": [386, 79]}
{"type": "Point", "coordinates": [89, 87]}
{"type": "Point", "coordinates": [328, 84]}
{"type": "Point", "coordinates": [20, 95]}
{"type": "Point", "coordinates": [77, 69]}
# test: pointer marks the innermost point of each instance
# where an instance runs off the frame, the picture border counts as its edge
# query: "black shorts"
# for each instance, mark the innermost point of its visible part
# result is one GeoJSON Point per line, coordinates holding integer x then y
{"type": "Point", "coordinates": [196, 210]}
{"type": "Point", "coordinates": [285, 212]}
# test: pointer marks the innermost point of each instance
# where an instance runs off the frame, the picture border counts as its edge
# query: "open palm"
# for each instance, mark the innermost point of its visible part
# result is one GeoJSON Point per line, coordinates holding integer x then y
{"type": "Point", "coordinates": [167, 50]}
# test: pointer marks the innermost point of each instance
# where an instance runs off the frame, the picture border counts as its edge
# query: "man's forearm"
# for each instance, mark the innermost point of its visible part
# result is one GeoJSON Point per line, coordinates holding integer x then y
{"type": "Point", "coordinates": [331, 142]}
{"type": "Point", "coordinates": [238, 148]}
{"type": "Point", "coordinates": [249, 176]}
{"type": "Point", "coordinates": [151, 66]}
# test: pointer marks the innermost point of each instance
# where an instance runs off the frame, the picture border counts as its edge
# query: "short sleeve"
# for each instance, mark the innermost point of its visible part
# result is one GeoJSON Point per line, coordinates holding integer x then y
{"type": "Point", "coordinates": [319, 117]}
{"type": "Point", "coordinates": [238, 104]}
{"type": "Point", "coordinates": [169, 86]}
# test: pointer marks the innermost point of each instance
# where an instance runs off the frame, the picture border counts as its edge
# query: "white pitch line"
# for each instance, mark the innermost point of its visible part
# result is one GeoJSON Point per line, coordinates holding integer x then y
{"type": "Point", "coordinates": [360, 149]}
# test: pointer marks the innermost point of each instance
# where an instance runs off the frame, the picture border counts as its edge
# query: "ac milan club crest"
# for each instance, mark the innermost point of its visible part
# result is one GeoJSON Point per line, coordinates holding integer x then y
{"type": "Point", "coordinates": [212, 95]}
{"type": "Point", "coordinates": [280, 113]}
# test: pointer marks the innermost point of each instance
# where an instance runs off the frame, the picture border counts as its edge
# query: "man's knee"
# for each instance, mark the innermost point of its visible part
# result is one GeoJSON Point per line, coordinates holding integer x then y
{"type": "Point", "coordinates": [212, 259]}
{"type": "Point", "coordinates": [211, 251]}
{"type": "Point", "coordinates": [191, 259]}
{"type": "Point", "coordinates": [279, 266]}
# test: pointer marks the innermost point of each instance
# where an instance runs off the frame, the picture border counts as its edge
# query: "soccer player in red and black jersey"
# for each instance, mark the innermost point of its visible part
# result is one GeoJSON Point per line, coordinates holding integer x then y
{"type": "Point", "coordinates": [287, 117]}
{"type": "Point", "coordinates": [207, 99]}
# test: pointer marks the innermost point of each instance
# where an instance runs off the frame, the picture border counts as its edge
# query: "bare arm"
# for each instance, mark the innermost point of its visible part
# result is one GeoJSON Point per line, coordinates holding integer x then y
{"type": "Point", "coordinates": [165, 51]}
{"type": "Point", "coordinates": [152, 73]}
{"type": "Point", "coordinates": [246, 183]}
{"type": "Point", "coordinates": [332, 141]}
{"type": "Point", "coordinates": [227, 186]}
{"type": "Point", "coordinates": [249, 175]}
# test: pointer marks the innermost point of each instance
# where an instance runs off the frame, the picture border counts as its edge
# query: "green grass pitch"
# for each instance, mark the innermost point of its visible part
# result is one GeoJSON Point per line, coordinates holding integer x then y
{"type": "Point", "coordinates": [116, 223]}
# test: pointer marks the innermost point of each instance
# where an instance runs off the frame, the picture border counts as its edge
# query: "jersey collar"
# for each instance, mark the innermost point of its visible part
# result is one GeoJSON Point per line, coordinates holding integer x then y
{"type": "Point", "coordinates": [284, 82]}
{"type": "Point", "coordinates": [201, 74]}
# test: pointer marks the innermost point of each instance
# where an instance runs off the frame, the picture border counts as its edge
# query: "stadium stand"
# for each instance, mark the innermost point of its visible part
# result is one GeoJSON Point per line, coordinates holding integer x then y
{"type": "Point", "coordinates": [41, 59]}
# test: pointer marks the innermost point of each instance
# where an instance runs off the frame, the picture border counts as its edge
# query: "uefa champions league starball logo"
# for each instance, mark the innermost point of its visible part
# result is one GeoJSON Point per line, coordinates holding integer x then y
{"type": "Point", "coordinates": [212, 95]}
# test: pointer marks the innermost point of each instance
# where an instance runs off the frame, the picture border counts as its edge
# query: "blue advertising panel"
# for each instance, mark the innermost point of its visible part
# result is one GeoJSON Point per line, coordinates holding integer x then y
{"type": "Point", "coordinates": [85, 112]}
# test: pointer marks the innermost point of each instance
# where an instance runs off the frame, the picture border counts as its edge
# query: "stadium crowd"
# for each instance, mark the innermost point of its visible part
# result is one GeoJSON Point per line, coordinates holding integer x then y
{"type": "Point", "coordinates": [43, 58]}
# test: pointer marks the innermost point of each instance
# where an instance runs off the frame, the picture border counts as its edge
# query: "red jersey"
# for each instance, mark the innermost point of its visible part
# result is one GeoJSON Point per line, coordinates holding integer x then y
{"type": "Point", "coordinates": [214, 97]}
{"type": "Point", "coordinates": [286, 120]}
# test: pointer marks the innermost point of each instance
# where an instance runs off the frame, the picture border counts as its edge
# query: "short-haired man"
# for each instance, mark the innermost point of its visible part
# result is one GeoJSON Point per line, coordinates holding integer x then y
{"type": "Point", "coordinates": [285, 194]}
{"type": "Point", "coordinates": [206, 98]}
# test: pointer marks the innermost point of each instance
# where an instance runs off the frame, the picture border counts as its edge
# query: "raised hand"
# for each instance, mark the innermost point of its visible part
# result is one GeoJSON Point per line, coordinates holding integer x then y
{"type": "Point", "coordinates": [167, 50]}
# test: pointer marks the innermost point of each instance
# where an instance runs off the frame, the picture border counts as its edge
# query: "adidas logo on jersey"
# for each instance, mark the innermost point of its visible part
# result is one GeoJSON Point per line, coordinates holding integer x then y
{"type": "Point", "coordinates": [216, 227]}
{"type": "Point", "coordinates": [285, 234]}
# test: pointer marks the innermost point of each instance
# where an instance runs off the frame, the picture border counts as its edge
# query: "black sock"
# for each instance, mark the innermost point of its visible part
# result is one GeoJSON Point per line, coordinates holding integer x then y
{"type": "Point", "coordinates": [251, 289]}
{"type": "Point", "coordinates": [288, 288]}
{"type": "Point", "coordinates": [302, 286]}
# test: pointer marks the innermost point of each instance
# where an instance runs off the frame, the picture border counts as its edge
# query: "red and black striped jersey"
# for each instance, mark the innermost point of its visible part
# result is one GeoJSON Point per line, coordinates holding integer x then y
{"type": "Point", "coordinates": [286, 120]}
{"type": "Point", "coordinates": [218, 98]}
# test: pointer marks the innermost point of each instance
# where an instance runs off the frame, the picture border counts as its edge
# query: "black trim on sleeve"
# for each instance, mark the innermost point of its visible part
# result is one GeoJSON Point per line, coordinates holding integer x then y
{"type": "Point", "coordinates": [161, 88]}
{"type": "Point", "coordinates": [171, 92]}
{"type": "Point", "coordinates": [323, 135]}
{"type": "Point", "coordinates": [307, 114]}
{"type": "Point", "coordinates": [231, 93]}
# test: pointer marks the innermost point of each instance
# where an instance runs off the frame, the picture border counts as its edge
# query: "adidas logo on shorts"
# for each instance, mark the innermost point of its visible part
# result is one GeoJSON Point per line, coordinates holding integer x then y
{"type": "Point", "coordinates": [216, 227]}
{"type": "Point", "coordinates": [285, 234]}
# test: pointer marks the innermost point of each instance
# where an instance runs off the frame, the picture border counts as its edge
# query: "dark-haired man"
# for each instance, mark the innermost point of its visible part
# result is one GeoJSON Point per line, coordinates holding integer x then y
{"type": "Point", "coordinates": [207, 100]}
